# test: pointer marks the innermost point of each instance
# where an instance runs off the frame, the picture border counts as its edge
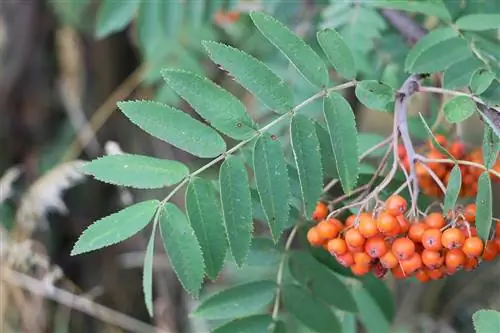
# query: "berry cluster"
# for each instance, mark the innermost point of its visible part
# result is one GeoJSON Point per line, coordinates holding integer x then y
{"type": "Point", "coordinates": [431, 248]}
{"type": "Point", "coordinates": [456, 148]}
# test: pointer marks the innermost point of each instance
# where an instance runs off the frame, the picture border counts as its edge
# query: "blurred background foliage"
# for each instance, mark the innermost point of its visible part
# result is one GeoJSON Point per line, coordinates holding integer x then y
{"type": "Point", "coordinates": [65, 63]}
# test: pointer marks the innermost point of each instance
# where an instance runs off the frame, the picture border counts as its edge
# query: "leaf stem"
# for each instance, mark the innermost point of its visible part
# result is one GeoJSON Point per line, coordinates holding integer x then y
{"type": "Point", "coordinates": [461, 162]}
{"type": "Point", "coordinates": [444, 91]}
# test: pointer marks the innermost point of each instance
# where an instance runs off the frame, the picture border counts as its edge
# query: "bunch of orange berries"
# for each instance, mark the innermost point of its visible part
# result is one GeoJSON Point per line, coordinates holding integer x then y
{"type": "Point", "coordinates": [457, 149]}
{"type": "Point", "coordinates": [428, 249]}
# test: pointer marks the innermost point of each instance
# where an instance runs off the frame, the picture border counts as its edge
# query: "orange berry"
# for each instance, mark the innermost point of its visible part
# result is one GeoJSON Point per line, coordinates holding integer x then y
{"type": "Point", "coordinates": [327, 230]}
{"type": "Point", "coordinates": [387, 223]}
{"type": "Point", "coordinates": [490, 251]}
{"type": "Point", "coordinates": [411, 264]}
{"type": "Point", "coordinates": [403, 248]}
{"type": "Point", "coordinates": [473, 246]}
{"type": "Point", "coordinates": [403, 223]}
{"type": "Point", "coordinates": [457, 149]}
{"type": "Point", "coordinates": [441, 139]}
{"type": "Point", "coordinates": [314, 238]}
{"type": "Point", "coordinates": [320, 212]}
{"type": "Point", "coordinates": [422, 276]}
{"type": "Point", "coordinates": [389, 260]}
{"type": "Point", "coordinates": [435, 220]}
{"type": "Point", "coordinates": [468, 231]}
{"type": "Point", "coordinates": [367, 226]}
{"type": "Point", "coordinates": [337, 246]}
{"type": "Point", "coordinates": [416, 231]}
{"type": "Point", "coordinates": [470, 263]}
{"type": "Point", "coordinates": [435, 274]}
{"type": "Point", "coordinates": [355, 249]}
{"type": "Point", "coordinates": [432, 259]}
{"type": "Point", "coordinates": [354, 238]}
{"type": "Point", "coordinates": [376, 247]}
{"type": "Point", "coordinates": [497, 243]}
{"type": "Point", "coordinates": [454, 259]}
{"type": "Point", "coordinates": [360, 270]}
{"type": "Point", "coordinates": [398, 272]}
{"type": "Point", "coordinates": [337, 223]}
{"type": "Point", "coordinates": [401, 151]}
{"type": "Point", "coordinates": [431, 239]}
{"type": "Point", "coordinates": [452, 238]}
{"type": "Point", "coordinates": [346, 259]}
{"type": "Point", "coordinates": [362, 258]}
{"type": "Point", "coordinates": [396, 205]}
{"type": "Point", "coordinates": [470, 213]}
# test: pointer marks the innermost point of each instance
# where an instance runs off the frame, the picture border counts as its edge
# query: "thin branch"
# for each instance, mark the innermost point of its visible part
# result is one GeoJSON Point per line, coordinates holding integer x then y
{"type": "Point", "coordinates": [76, 302]}
{"type": "Point", "coordinates": [435, 177]}
{"type": "Point", "coordinates": [461, 162]}
{"type": "Point", "coordinates": [408, 28]}
{"type": "Point", "coordinates": [438, 90]}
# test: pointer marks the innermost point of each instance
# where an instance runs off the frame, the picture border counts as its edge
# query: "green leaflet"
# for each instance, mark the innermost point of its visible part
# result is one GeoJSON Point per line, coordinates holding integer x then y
{"type": "Point", "coordinates": [481, 80]}
{"type": "Point", "coordinates": [309, 310]}
{"type": "Point", "coordinates": [147, 272]}
{"type": "Point", "coordinates": [271, 178]}
{"type": "Point", "coordinates": [182, 248]}
{"type": "Point", "coordinates": [113, 16]}
{"type": "Point", "coordinates": [337, 52]}
{"type": "Point", "coordinates": [381, 294]}
{"type": "Point", "coordinates": [254, 75]}
{"type": "Point", "coordinates": [459, 108]}
{"type": "Point", "coordinates": [436, 144]}
{"type": "Point", "coordinates": [237, 301]}
{"type": "Point", "coordinates": [486, 321]}
{"type": "Point", "coordinates": [491, 147]}
{"type": "Point", "coordinates": [327, 157]}
{"type": "Point", "coordinates": [484, 206]}
{"type": "Point", "coordinates": [149, 29]}
{"type": "Point", "coordinates": [478, 22]}
{"type": "Point", "coordinates": [301, 55]}
{"type": "Point", "coordinates": [236, 207]}
{"type": "Point", "coordinates": [205, 216]}
{"type": "Point", "coordinates": [344, 138]}
{"type": "Point", "coordinates": [136, 171]}
{"type": "Point", "coordinates": [374, 95]}
{"type": "Point", "coordinates": [432, 38]}
{"type": "Point", "coordinates": [305, 146]}
{"type": "Point", "coordinates": [171, 13]}
{"type": "Point", "coordinates": [116, 227]}
{"type": "Point", "coordinates": [441, 56]}
{"type": "Point", "coordinates": [195, 12]}
{"type": "Point", "coordinates": [175, 127]}
{"type": "Point", "coordinates": [459, 75]}
{"type": "Point", "coordinates": [370, 313]}
{"type": "Point", "coordinates": [320, 281]}
{"type": "Point", "coordinates": [452, 189]}
{"type": "Point", "coordinates": [221, 109]}
{"type": "Point", "coordinates": [251, 324]}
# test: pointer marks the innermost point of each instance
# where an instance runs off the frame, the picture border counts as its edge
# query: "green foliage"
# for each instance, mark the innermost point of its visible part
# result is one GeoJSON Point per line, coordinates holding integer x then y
{"type": "Point", "coordinates": [182, 248]}
{"type": "Point", "coordinates": [253, 75]}
{"type": "Point", "coordinates": [114, 16]}
{"type": "Point", "coordinates": [491, 147]}
{"type": "Point", "coordinates": [478, 22]}
{"type": "Point", "coordinates": [459, 108]}
{"type": "Point", "coordinates": [452, 189]}
{"type": "Point", "coordinates": [484, 202]}
{"type": "Point", "coordinates": [116, 227]}
{"type": "Point", "coordinates": [175, 127]}
{"type": "Point", "coordinates": [343, 139]}
{"type": "Point", "coordinates": [251, 324]}
{"type": "Point", "coordinates": [435, 143]}
{"type": "Point", "coordinates": [375, 95]}
{"type": "Point", "coordinates": [147, 272]}
{"type": "Point", "coordinates": [337, 52]}
{"type": "Point", "coordinates": [370, 313]}
{"type": "Point", "coordinates": [481, 80]}
{"type": "Point", "coordinates": [307, 62]}
{"type": "Point", "coordinates": [459, 75]}
{"type": "Point", "coordinates": [305, 146]}
{"type": "Point", "coordinates": [236, 207]}
{"type": "Point", "coordinates": [205, 216]}
{"type": "Point", "coordinates": [271, 178]}
{"type": "Point", "coordinates": [327, 156]}
{"type": "Point", "coordinates": [309, 310]}
{"type": "Point", "coordinates": [237, 301]}
{"type": "Point", "coordinates": [224, 111]}
{"type": "Point", "coordinates": [136, 171]}
{"type": "Point", "coordinates": [486, 321]}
